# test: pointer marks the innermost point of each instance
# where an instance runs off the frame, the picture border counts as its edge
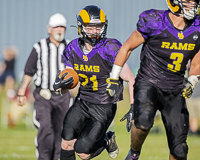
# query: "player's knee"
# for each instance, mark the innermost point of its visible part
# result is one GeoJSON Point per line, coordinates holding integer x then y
{"type": "Point", "coordinates": [83, 150]}
{"type": "Point", "coordinates": [64, 145]}
{"type": "Point", "coordinates": [83, 156]}
{"type": "Point", "coordinates": [68, 145]}
{"type": "Point", "coordinates": [144, 122]}
{"type": "Point", "coordinates": [180, 151]}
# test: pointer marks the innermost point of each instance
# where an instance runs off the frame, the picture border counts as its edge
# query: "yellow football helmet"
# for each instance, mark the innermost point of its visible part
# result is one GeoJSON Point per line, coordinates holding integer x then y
{"type": "Point", "coordinates": [92, 15]}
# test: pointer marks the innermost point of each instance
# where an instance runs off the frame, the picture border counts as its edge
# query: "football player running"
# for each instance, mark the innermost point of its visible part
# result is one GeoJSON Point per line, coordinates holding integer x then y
{"type": "Point", "coordinates": [170, 38]}
{"type": "Point", "coordinates": [92, 57]}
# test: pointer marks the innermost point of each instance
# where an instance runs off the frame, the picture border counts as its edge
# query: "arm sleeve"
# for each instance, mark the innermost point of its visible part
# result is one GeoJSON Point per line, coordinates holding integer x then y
{"type": "Point", "coordinates": [112, 48]}
{"type": "Point", "coordinates": [141, 25]}
{"type": "Point", "coordinates": [66, 59]}
{"type": "Point", "coordinates": [31, 64]}
{"type": "Point", "coordinates": [66, 56]}
{"type": "Point", "coordinates": [150, 23]}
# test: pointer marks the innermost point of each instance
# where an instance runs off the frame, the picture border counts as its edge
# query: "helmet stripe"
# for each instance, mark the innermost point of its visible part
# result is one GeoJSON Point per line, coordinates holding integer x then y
{"type": "Point", "coordinates": [79, 30]}
{"type": "Point", "coordinates": [175, 8]}
{"type": "Point", "coordinates": [85, 16]}
{"type": "Point", "coordinates": [102, 16]}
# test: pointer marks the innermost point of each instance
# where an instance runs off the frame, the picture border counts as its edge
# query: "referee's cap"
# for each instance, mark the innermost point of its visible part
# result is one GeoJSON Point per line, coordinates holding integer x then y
{"type": "Point", "coordinates": [57, 20]}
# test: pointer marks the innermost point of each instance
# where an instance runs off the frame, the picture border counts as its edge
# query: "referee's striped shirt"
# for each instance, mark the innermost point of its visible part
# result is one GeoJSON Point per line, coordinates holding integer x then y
{"type": "Point", "coordinates": [44, 62]}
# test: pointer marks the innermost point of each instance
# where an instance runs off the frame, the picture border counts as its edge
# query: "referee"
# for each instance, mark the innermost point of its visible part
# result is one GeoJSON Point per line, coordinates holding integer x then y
{"type": "Point", "coordinates": [49, 107]}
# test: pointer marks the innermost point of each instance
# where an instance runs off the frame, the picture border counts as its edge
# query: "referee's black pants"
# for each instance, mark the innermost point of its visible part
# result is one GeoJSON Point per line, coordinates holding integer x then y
{"type": "Point", "coordinates": [48, 118]}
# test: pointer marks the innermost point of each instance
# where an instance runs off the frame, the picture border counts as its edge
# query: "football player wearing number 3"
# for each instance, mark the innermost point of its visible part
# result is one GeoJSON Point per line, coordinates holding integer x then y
{"type": "Point", "coordinates": [170, 38]}
{"type": "Point", "coordinates": [92, 57]}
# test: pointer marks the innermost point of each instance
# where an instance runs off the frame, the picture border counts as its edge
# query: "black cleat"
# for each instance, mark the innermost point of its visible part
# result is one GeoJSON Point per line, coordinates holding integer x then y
{"type": "Point", "coordinates": [112, 147]}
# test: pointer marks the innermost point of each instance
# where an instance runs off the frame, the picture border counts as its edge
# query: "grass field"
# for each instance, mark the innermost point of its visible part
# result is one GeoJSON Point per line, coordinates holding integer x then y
{"type": "Point", "coordinates": [18, 143]}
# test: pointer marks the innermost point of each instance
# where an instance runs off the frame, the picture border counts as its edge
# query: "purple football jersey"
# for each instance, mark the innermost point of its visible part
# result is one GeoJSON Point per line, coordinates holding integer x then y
{"type": "Point", "coordinates": [166, 52]}
{"type": "Point", "coordinates": [93, 69]}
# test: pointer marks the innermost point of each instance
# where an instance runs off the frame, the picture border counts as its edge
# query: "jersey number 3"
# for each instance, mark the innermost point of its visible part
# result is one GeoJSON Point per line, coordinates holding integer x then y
{"type": "Point", "coordinates": [177, 60]}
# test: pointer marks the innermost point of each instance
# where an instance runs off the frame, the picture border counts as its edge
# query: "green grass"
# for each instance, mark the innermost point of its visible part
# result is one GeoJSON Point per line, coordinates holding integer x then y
{"type": "Point", "coordinates": [18, 143]}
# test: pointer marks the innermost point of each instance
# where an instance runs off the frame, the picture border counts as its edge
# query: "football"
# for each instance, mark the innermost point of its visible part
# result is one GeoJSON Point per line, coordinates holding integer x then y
{"type": "Point", "coordinates": [71, 73]}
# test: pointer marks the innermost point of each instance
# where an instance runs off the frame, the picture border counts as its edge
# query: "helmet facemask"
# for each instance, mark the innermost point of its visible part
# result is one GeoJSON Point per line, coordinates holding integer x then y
{"type": "Point", "coordinates": [94, 38]}
{"type": "Point", "coordinates": [188, 7]}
